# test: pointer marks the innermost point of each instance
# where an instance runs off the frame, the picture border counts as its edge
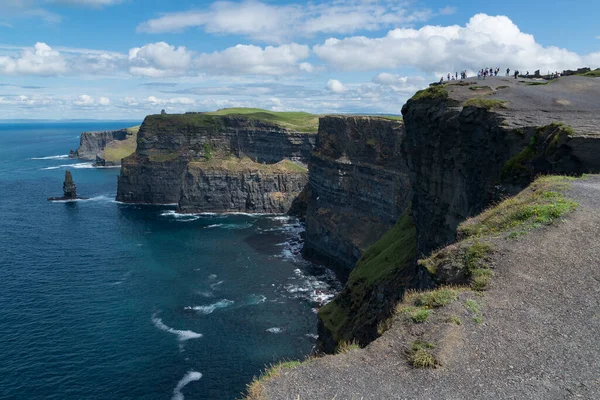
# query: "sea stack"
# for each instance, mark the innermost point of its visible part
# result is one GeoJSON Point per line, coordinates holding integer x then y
{"type": "Point", "coordinates": [69, 189]}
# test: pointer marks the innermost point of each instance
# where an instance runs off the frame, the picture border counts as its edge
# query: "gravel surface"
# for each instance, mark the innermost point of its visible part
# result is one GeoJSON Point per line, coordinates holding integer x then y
{"type": "Point", "coordinates": [540, 338]}
{"type": "Point", "coordinates": [572, 100]}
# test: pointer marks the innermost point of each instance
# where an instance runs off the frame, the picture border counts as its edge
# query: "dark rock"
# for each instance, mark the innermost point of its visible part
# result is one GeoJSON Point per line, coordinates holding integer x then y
{"type": "Point", "coordinates": [164, 168]}
{"type": "Point", "coordinates": [69, 189]}
{"type": "Point", "coordinates": [358, 187]}
{"type": "Point", "coordinates": [91, 144]}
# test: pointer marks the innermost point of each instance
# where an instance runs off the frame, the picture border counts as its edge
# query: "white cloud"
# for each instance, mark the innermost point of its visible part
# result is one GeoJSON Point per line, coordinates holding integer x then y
{"type": "Point", "coordinates": [38, 9]}
{"type": "Point", "coordinates": [279, 23]}
{"type": "Point", "coordinates": [172, 101]}
{"type": "Point", "coordinates": [84, 100]}
{"type": "Point", "coordinates": [40, 60]}
{"type": "Point", "coordinates": [335, 86]}
{"type": "Point", "coordinates": [255, 60]}
{"type": "Point", "coordinates": [159, 59]}
{"type": "Point", "coordinates": [104, 101]}
{"type": "Point", "coordinates": [484, 41]}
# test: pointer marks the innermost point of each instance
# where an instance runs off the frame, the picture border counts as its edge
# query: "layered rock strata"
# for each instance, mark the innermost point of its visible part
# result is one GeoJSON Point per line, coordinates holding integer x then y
{"type": "Point", "coordinates": [92, 144]}
{"type": "Point", "coordinates": [215, 163]}
{"type": "Point", "coordinates": [358, 187]}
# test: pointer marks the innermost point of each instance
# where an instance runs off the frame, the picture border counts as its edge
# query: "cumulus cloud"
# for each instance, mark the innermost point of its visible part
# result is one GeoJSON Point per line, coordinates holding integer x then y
{"type": "Point", "coordinates": [159, 59]}
{"type": "Point", "coordinates": [278, 23]}
{"type": "Point", "coordinates": [484, 41]}
{"type": "Point", "coordinates": [255, 60]}
{"type": "Point", "coordinates": [104, 101]}
{"type": "Point", "coordinates": [40, 60]}
{"type": "Point", "coordinates": [335, 86]}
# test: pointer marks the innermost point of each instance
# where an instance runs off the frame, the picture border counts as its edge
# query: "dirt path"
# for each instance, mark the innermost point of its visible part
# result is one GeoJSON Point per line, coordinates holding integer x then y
{"type": "Point", "coordinates": [540, 336]}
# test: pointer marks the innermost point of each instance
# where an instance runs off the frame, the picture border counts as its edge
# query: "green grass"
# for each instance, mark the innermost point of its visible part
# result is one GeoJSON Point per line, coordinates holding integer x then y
{"type": "Point", "coordinates": [163, 157]}
{"type": "Point", "coordinates": [345, 346]}
{"type": "Point", "coordinates": [245, 164]}
{"type": "Point", "coordinates": [453, 319]}
{"type": "Point", "coordinates": [254, 390]}
{"type": "Point", "coordinates": [542, 203]}
{"type": "Point", "coordinates": [479, 87]}
{"type": "Point", "coordinates": [485, 103]}
{"type": "Point", "coordinates": [538, 83]}
{"type": "Point", "coordinates": [473, 306]}
{"type": "Point", "coordinates": [116, 150]}
{"type": "Point", "coordinates": [480, 278]}
{"type": "Point", "coordinates": [419, 355]}
{"type": "Point", "coordinates": [593, 74]}
{"type": "Point", "coordinates": [395, 249]}
{"type": "Point", "coordinates": [436, 298]}
{"type": "Point", "coordinates": [416, 314]}
{"type": "Point", "coordinates": [299, 121]}
{"type": "Point", "coordinates": [432, 92]}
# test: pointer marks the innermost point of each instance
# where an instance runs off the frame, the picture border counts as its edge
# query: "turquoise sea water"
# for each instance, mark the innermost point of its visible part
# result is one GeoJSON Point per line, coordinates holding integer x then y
{"type": "Point", "coordinates": [100, 300]}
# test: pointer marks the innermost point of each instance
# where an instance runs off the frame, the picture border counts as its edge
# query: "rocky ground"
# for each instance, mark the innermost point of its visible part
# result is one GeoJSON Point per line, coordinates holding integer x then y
{"type": "Point", "coordinates": [537, 337]}
{"type": "Point", "coordinates": [572, 100]}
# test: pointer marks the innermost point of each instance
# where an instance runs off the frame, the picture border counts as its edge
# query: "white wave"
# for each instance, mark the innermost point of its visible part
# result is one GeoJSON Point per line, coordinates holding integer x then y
{"type": "Point", "coordinates": [312, 336]}
{"type": "Point", "coordinates": [181, 335]}
{"type": "Point", "coordinates": [206, 293]}
{"type": "Point", "coordinates": [191, 376]}
{"type": "Point", "coordinates": [96, 198]}
{"type": "Point", "coordinates": [61, 157]}
{"type": "Point", "coordinates": [214, 285]}
{"type": "Point", "coordinates": [75, 166]}
{"type": "Point", "coordinates": [180, 217]}
{"type": "Point", "coordinates": [211, 307]}
{"type": "Point", "coordinates": [255, 299]}
{"type": "Point", "coordinates": [214, 226]}
{"type": "Point", "coordinates": [275, 330]}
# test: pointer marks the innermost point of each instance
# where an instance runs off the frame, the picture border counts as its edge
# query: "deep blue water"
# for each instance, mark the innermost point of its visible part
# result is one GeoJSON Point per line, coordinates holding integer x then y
{"type": "Point", "coordinates": [100, 300]}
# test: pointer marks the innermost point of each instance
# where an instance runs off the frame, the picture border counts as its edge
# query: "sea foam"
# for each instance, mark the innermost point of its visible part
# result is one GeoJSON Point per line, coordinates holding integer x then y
{"type": "Point", "coordinates": [61, 157]}
{"type": "Point", "coordinates": [181, 335]}
{"type": "Point", "coordinates": [191, 376]}
{"type": "Point", "coordinates": [211, 307]}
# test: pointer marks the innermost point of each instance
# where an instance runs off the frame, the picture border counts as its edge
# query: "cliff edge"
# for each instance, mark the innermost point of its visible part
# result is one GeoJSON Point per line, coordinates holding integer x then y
{"type": "Point", "coordinates": [467, 145]}
{"type": "Point", "coordinates": [232, 160]}
{"type": "Point", "coordinates": [532, 335]}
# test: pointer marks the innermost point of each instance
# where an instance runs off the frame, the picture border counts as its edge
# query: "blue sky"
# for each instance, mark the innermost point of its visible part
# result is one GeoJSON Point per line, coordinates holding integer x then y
{"type": "Point", "coordinates": [124, 59]}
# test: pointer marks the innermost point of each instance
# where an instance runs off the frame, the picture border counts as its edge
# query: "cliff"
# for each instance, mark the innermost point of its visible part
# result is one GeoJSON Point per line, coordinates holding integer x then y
{"type": "Point", "coordinates": [358, 188]}
{"type": "Point", "coordinates": [463, 147]}
{"type": "Point", "coordinates": [466, 146]}
{"type": "Point", "coordinates": [108, 147]}
{"type": "Point", "coordinates": [231, 160]}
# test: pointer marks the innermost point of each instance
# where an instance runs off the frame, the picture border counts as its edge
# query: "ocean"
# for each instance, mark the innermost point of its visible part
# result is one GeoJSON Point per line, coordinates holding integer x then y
{"type": "Point", "coordinates": [101, 300]}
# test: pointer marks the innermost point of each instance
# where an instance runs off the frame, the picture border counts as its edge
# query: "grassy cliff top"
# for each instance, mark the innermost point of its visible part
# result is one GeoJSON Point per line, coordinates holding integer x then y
{"type": "Point", "coordinates": [245, 164]}
{"type": "Point", "coordinates": [116, 150]}
{"type": "Point", "coordinates": [294, 121]}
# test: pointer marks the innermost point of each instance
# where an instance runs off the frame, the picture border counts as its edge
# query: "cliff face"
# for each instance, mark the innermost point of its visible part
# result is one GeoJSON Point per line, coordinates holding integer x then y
{"type": "Point", "coordinates": [358, 187]}
{"type": "Point", "coordinates": [215, 163]}
{"type": "Point", "coordinates": [254, 189]}
{"type": "Point", "coordinates": [464, 147]}
{"type": "Point", "coordinates": [92, 144]}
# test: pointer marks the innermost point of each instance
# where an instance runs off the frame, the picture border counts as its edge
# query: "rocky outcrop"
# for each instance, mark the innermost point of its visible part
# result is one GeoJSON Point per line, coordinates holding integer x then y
{"type": "Point", "coordinates": [254, 189]}
{"type": "Point", "coordinates": [215, 163]}
{"type": "Point", "coordinates": [358, 187]}
{"type": "Point", "coordinates": [465, 151]}
{"type": "Point", "coordinates": [462, 150]}
{"type": "Point", "coordinates": [69, 189]}
{"type": "Point", "coordinates": [92, 144]}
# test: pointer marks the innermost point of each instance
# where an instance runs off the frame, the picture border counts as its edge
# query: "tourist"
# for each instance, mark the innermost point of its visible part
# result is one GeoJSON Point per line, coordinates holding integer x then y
{"type": "Point", "coordinates": [507, 71]}
{"type": "Point", "coordinates": [478, 74]}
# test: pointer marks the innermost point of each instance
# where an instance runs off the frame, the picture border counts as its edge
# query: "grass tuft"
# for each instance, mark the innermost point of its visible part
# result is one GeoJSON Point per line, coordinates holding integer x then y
{"type": "Point", "coordinates": [345, 346]}
{"type": "Point", "coordinates": [542, 203]}
{"type": "Point", "coordinates": [436, 298]}
{"type": "Point", "coordinates": [416, 314]}
{"type": "Point", "coordinates": [255, 390]}
{"type": "Point", "coordinates": [432, 92]}
{"type": "Point", "coordinates": [419, 355]}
